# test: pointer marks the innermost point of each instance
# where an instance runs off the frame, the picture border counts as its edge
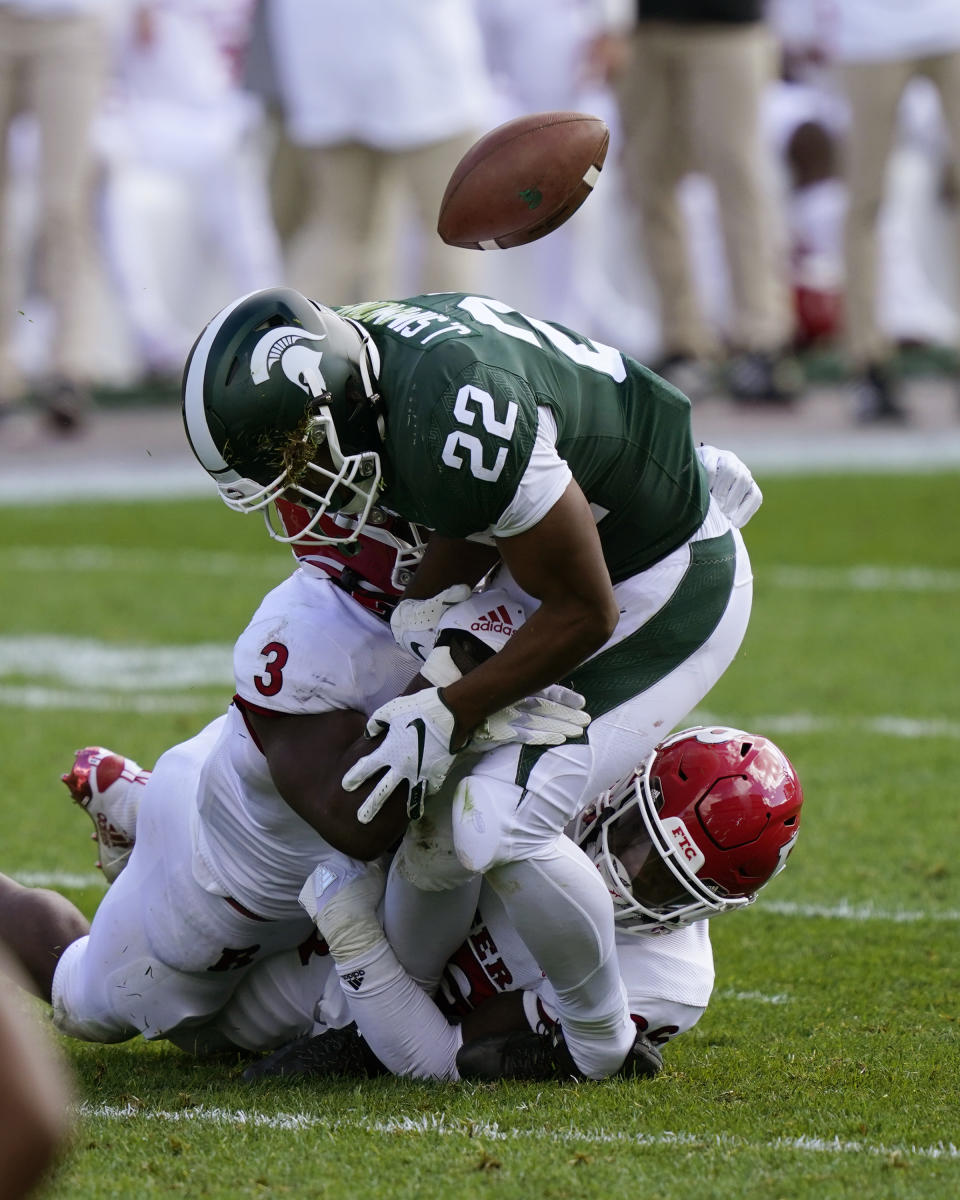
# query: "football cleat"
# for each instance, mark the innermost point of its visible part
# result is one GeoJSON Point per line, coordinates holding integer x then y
{"type": "Point", "coordinates": [108, 786]}
{"type": "Point", "coordinates": [328, 1055]}
{"type": "Point", "coordinates": [538, 1057]}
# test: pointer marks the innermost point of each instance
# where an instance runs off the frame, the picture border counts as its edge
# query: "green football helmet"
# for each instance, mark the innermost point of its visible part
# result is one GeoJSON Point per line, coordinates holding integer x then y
{"type": "Point", "coordinates": [279, 400]}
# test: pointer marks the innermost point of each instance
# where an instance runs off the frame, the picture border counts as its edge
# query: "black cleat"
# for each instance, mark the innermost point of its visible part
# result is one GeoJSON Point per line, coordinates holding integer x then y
{"type": "Point", "coordinates": [329, 1055]}
{"type": "Point", "coordinates": [523, 1054]}
{"type": "Point", "coordinates": [878, 398]}
{"type": "Point", "coordinates": [764, 378]}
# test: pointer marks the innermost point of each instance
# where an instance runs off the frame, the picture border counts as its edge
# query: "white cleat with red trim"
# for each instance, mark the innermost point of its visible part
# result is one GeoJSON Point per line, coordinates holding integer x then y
{"type": "Point", "coordinates": [109, 787]}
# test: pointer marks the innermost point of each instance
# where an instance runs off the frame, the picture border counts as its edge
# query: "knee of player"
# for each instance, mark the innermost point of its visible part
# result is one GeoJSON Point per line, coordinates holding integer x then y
{"type": "Point", "coordinates": [481, 823]}
{"type": "Point", "coordinates": [427, 857]}
{"type": "Point", "coordinates": [80, 1005]}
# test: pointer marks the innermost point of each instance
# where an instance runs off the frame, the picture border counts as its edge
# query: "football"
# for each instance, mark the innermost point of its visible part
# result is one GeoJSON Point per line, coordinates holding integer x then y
{"type": "Point", "coordinates": [522, 179]}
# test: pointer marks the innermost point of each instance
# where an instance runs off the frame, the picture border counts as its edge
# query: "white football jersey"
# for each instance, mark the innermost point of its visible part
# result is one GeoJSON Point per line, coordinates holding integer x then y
{"type": "Point", "coordinates": [674, 967]}
{"type": "Point", "coordinates": [309, 648]}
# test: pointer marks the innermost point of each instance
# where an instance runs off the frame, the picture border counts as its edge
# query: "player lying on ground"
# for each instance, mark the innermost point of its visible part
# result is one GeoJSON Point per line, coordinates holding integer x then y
{"type": "Point", "coordinates": [520, 442]}
{"type": "Point", "coordinates": [696, 831]}
{"type": "Point", "coordinates": [219, 855]}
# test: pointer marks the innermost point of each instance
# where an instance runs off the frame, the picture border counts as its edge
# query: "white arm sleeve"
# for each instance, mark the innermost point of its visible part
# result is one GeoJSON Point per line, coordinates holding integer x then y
{"type": "Point", "coordinates": [398, 1020]}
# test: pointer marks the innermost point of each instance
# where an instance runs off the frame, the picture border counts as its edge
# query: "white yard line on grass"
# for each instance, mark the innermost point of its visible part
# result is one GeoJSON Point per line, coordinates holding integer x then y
{"type": "Point", "coordinates": [440, 1123]}
{"type": "Point", "coordinates": [114, 667]}
{"type": "Point", "coordinates": [862, 577]}
{"type": "Point", "coordinates": [52, 699]}
{"type": "Point", "coordinates": [60, 879]}
{"type": "Point", "coordinates": [751, 997]}
{"type": "Point", "coordinates": [843, 910]}
{"type": "Point", "coordinates": [90, 481]}
{"type": "Point", "coordinates": [151, 679]}
{"type": "Point", "coordinates": [909, 728]}
{"type": "Point", "coordinates": [109, 558]}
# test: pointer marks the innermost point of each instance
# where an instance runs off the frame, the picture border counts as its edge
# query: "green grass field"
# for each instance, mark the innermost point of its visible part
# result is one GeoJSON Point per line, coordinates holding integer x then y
{"type": "Point", "coordinates": [827, 1063]}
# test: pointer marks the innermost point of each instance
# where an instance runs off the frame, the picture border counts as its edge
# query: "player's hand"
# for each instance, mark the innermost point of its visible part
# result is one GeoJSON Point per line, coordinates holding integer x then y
{"type": "Point", "coordinates": [416, 750]}
{"type": "Point", "coordinates": [414, 622]}
{"type": "Point", "coordinates": [546, 719]}
{"type": "Point", "coordinates": [731, 484]}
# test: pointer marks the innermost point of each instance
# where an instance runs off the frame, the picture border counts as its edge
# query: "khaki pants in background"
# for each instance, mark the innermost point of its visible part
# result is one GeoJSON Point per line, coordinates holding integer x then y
{"type": "Point", "coordinates": [690, 101]}
{"type": "Point", "coordinates": [874, 91]}
{"type": "Point", "coordinates": [54, 68]}
{"type": "Point", "coordinates": [347, 247]}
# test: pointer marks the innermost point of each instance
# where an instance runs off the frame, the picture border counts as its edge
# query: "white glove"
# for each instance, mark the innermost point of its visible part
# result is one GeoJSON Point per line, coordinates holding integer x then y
{"type": "Point", "coordinates": [546, 719]}
{"type": "Point", "coordinates": [343, 906]}
{"type": "Point", "coordinates": [731, 484]}
{"type": "Point", "coordinates": [416, 750]}
{"type": "Point", "coordinates": [414, 622]}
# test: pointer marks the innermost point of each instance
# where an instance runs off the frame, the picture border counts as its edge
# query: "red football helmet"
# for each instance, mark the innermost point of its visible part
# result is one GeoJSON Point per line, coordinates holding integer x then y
{"type": "Point", "coordinates": [375, 567]}
{"type": "Point", "coordinates": [694, 831]}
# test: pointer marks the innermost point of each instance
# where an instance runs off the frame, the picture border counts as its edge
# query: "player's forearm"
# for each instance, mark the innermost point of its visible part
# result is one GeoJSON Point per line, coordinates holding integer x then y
{"type": "Point", "coordinates": [307, 756]}
{"type": "Point", "coordinates": [546, 649]}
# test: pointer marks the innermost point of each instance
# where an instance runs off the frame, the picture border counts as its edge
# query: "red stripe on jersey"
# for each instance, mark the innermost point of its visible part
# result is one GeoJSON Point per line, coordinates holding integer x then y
{"type": "Point", "coordinates": [242, 707]}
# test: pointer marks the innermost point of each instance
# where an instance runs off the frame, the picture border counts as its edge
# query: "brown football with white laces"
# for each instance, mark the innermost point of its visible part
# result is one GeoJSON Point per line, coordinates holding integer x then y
{"type": "Point", "coordinates": [522, 180]}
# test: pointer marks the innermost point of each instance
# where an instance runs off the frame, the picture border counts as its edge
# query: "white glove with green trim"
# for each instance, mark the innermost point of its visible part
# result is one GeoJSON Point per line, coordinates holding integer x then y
{"type": "Point", "coordinates": [547, 719]}
{"type": "Point", "coordinates": [731, 484]}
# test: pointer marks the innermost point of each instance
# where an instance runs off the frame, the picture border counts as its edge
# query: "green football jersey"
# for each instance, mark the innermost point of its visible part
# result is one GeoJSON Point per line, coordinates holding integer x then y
{"type": "Point", "coordinates": [461, 378]}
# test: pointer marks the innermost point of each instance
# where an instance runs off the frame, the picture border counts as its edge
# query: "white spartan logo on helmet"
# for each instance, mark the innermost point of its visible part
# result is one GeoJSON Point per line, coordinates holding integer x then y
{"type": "Point", "coordinates": [299, 362]}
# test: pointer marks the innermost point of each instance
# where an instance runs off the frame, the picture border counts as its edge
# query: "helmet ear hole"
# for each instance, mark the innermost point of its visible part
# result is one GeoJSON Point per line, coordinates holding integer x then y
{"type": "Point", "coordinates": [272, 322]}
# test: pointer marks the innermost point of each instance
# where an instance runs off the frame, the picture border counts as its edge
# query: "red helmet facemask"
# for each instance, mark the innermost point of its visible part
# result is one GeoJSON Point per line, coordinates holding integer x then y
{"type": "Point", "coordinates": [374, 568]}
{"type": "Point", "coordinates": [695, 831]}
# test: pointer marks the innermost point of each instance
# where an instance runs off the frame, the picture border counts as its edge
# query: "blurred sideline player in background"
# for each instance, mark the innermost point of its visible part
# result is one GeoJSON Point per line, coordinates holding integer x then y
{"type": "Point", "coordinates": [874, 53]}
{"type": "Point", "coordinates": [553, 55]}
{"type": "Point", "coordinates": [178, 137]}
{"type": "Point", "coordinates": [571, 468]}
{"type": "Point", "coordinates": [53, 66]}
{"type": "Point", "coordinates": [402, 93]}
{"type": "Point", "coordinates": [691, 100]}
